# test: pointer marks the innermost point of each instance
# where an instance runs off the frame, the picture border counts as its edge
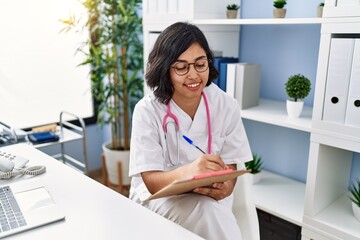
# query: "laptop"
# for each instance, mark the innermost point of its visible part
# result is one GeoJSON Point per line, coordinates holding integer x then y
{"type": "Point", "coordinates": [25, 205]}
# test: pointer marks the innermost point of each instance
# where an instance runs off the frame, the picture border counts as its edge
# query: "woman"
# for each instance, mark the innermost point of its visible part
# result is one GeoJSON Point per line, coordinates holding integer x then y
{"type": "Point", "coordinates": [185, 102]}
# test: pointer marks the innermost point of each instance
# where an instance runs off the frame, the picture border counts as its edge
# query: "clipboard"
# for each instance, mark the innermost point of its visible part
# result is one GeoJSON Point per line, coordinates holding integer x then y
{"type": "Point", "coordinates": [202, 180]}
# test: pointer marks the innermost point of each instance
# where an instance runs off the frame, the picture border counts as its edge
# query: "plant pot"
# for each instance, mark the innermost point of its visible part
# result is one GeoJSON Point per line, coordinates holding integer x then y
{"type": "Point", "coordinates": [279, 12]}
{"type": "Point", "coordinates": [294, 109]}
{"type": "Point", "coordinates": [356, 211]}
{"type": "Point", "coordinates": [231, 14]}
{"type": "Point", "coordinates": [112, 157]}
{"type": "Point", "coordinates": [255, 178]}
{"type": "Point", "coordinates": [319, 11]}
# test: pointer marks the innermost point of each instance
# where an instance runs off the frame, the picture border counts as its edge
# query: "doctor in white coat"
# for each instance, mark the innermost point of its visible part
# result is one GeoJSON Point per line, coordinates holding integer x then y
{"type": "Point", "coordinates": [184, 101]}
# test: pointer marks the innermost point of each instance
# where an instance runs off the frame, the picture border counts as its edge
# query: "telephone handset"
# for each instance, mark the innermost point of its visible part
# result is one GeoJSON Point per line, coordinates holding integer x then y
{"type": "Point", "coordinates": [13, 165]}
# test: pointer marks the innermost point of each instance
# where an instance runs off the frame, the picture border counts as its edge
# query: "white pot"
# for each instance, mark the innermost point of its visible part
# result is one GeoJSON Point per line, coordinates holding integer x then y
{"type": "Point", "coordinates": [294, 109]}
{"type": "Point", "coordinates": [112, 157]}
{"type": "Point", "coordinates": [255, 178]}
{"type": "Point", "coordinates": [356, 211]}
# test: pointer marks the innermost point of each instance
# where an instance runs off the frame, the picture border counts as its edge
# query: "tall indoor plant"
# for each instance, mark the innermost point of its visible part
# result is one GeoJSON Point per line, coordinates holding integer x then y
{"type": "Point", "coordinates": [114, 52]}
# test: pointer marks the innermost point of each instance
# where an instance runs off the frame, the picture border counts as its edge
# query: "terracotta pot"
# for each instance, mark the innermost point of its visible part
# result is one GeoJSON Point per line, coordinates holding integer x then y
{"type": "Point", "coordinates": [319, 11]}
{"type": "Point", "coordinates": [279, 12]}
{"type": "Point", "coordinates": [231, 14]}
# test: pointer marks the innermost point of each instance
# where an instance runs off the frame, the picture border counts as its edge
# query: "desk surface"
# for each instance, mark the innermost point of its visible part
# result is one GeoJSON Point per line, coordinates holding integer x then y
{"type": "Point", "coordinates": [92, 211]}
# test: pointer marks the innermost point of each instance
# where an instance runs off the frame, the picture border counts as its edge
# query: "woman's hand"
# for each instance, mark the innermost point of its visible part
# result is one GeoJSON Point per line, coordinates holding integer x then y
{"type": "Point", "coordinates": [219, 191]}
{"type": "Point", "coordinates": [205, 163]}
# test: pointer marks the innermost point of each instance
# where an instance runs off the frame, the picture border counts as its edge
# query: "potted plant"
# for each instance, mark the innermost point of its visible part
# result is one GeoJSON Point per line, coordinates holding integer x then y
{"type": "Point", "coordinates": [114, 52]}
{"type": "Point", "coordinates": [355, 198]}
{"type": "Point", "coordinates": [319, 10]}
{"type": "Point", "coordinates": [279, 10]}
{"type": "Point", "coordinates": [232, 10]}
{"type": "Point", "coordinates": [255, 165]}
{"type": "Point", "coordinates": [297, 88]}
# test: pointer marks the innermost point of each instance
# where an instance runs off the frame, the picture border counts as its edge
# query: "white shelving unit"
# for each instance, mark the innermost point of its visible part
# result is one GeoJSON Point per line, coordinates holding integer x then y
{"type": "Point", "coordinates": [327, 211]}
{"type": "Point", "coordinates": [320, 205]}
{"type": "Point", "coordinates": [280, 196]}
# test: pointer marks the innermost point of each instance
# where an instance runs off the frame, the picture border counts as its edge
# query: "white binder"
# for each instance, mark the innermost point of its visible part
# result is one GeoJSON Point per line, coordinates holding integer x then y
{"type": "Point", "coordinates": [230, 79]}
{"type": "Point", "coordinates": [243, 81]}
{"type": "Point", "coordinates": [338, 78]}
{"type": "Point", "coordinates": [353, 105]}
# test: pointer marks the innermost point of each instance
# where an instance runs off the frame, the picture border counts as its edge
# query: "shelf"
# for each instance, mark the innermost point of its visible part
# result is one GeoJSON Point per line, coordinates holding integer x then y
{"type": "Point", "coordinates": [258, 21]}
{"type": "Point", "coordinates": [273, 21]}
{"type": "Point", "coordinates": [68, 132]}
{"type": "Point", "coordinates": [337, 219]}
{"type": "Point", "coordinates": [67, 136]}
{"type": "Point", "coordinates": [274, 112]}
{"type": "Point", "coordinates": [280, 196]}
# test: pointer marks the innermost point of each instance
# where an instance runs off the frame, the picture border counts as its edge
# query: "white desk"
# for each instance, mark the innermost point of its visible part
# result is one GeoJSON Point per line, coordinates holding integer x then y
{"type": "Point", "coordinates": [92, 210]}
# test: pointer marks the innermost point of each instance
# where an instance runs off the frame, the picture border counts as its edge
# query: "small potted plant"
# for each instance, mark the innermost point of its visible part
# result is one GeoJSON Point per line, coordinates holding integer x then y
{"type": "Point", "coordinates": [255, 165]}
{"type": "Point", "coordinates": [355, 198]}
{"type": "Point", "coordinates": [297, 88]}
{"type": "Point", "coordinates": [320, 8]}
{"type": "Point", "coordinates": [279, 10]}
{"type": "Point", "coordinates": [232, 11]}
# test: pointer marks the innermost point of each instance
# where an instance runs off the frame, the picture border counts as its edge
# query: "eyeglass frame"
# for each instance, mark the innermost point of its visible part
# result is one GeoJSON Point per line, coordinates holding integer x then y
{"type": "Point", "coordinates": [188, 65]}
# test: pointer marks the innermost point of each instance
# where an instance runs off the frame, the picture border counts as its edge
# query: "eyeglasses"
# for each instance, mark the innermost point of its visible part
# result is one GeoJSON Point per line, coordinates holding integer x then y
{"type": "Point", "coordinates": [200, 65]}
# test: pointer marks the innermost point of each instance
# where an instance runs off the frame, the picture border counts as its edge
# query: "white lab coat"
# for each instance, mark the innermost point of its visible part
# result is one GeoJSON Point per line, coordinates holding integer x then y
{"type": "Point", "coordinates": [149, 152]}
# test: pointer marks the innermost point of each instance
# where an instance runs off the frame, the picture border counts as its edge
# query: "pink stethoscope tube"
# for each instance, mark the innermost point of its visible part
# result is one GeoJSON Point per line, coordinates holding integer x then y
{"type": "Point", "coordinates": [169, 114]}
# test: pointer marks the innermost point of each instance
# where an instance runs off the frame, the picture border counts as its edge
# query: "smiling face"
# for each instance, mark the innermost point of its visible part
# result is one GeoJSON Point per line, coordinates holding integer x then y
{"type": "Point", "coordinates": [188, 87]}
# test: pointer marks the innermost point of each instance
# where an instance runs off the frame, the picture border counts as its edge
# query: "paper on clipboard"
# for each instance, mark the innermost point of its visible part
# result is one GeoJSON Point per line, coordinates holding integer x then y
{"type": "Point", "coordinates": [184, 186]}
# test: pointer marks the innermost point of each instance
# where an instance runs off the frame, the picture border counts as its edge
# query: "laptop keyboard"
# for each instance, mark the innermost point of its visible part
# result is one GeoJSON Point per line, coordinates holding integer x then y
{"type": "Point", "coordinates": [11, 216]}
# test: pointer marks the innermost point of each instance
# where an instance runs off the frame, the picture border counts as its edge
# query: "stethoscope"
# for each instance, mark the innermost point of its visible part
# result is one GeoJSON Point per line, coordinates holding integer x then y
{"type": "Point", "coordinates": [169, 114]}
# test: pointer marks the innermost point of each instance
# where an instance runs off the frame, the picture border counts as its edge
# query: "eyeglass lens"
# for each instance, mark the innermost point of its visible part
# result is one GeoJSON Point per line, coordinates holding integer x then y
{"type": "Point", "coordinates": [200, 65]}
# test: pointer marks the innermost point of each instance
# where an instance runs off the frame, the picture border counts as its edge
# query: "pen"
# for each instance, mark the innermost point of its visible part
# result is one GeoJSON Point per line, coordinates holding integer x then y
{"type": "Point", "coordinates": [192, 143]}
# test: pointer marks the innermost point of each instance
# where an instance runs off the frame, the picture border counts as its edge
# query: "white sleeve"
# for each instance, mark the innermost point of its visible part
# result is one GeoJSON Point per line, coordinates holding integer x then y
{"type": "Point", "coordinates": [236, 147]}
{"type": "Point", "coordinates": [146, 150]}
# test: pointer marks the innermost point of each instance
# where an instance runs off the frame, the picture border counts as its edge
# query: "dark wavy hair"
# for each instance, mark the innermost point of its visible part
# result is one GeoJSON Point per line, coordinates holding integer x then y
{"type": "Point", "coordinates": [170, 44]}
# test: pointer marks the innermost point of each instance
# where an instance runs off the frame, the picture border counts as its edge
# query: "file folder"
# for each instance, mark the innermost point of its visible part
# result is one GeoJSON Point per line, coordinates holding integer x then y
{"type": "Point", "coordinates": [218, 61]}
{"type": "Point", "coordinates": [353, 105]}
{"type": "Point", "coordinates": [338, 78]}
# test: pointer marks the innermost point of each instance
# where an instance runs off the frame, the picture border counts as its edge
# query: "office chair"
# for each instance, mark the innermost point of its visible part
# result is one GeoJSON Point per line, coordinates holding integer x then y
{"type": "Point", "coordinates": [244, 207]}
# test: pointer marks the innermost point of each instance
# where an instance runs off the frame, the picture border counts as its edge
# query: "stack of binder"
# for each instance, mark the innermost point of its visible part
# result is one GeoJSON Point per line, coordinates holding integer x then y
{"type": "Point", "coordinates": [243, 83]}
{"type": "Point", "coordinates": [342, 96]}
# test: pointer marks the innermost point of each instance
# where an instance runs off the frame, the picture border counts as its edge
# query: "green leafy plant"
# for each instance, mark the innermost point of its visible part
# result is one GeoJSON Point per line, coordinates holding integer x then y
{"type": "Point", "coordinates": [255, 165]}
{"type": "Point", "coordinates": [114, 52]}
{"type": "Point", "coordinates": [355, 192]}
{"type": "Point", "coordinates": [279, 3]}
{"type": "Point", "coordinates": [232, 7]}
{"type": "Point", "coordinates": [321, 4]}
{"type": "Point", "coordinates": [297, 87]}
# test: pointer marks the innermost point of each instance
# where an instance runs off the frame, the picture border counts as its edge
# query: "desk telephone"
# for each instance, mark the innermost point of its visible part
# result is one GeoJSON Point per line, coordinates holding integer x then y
{"type": "Point", "coordinates": [13, 165]}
